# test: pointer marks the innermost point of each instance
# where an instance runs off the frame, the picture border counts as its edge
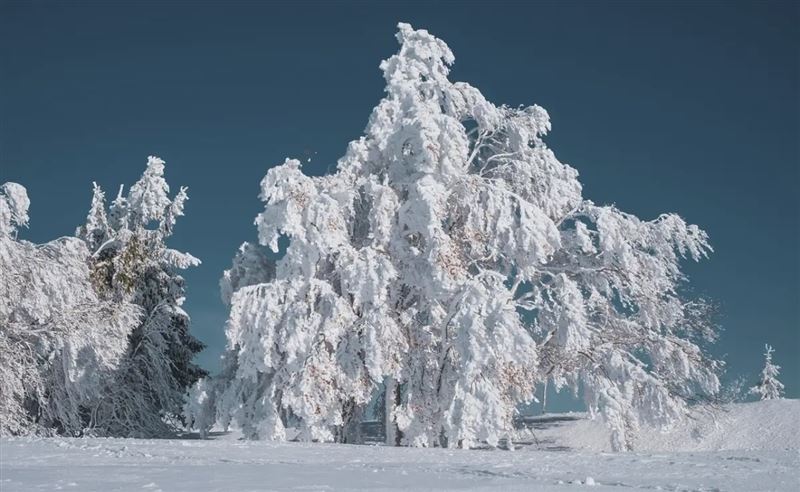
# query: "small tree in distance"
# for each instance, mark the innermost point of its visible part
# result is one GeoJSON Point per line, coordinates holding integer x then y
{"type": "Point", "coordinates": [768, 387]}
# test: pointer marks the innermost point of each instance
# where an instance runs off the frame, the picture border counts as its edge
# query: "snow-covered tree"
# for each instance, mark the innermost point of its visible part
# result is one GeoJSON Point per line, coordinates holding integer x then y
{"type": "Point", "coordinates": [131, 262]}
{"type": "Point", "coordinates": [217, 399]}
{"type": "Point", "coordinates": [14, 203]}
{"type": "Point", "coordinates": [452, 263]}
{"type": "Point", "coordinates": [59, 341]}
{"type": "Point", "coordinates": [768, 387]}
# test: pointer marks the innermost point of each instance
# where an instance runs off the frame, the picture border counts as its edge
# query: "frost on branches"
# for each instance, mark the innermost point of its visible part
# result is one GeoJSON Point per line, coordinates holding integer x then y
{"type": "Point", "coordinates": [92, 336]}
{"type": "Point", "coordinates": [59, 340]}
{"type": "Point", "coordinates": [131, 262]}
{"type": "Point", "coordinates": [451, 264]}
{"type": "Point", "coordinates": [768, 387]}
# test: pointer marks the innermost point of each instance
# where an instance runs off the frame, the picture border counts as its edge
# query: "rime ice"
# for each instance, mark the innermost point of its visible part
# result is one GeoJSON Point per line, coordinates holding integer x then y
{"type": "Point", "coordinates": [452, 259]}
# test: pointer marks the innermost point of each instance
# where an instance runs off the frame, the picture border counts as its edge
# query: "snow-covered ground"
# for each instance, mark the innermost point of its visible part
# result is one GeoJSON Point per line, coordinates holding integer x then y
{"type": "Point", "coordinates": [754, 447]}
{"type": "Point", "coordinates": [763, 425]}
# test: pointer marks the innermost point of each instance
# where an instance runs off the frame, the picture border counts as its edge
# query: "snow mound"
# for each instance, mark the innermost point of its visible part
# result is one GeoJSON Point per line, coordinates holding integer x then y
{"type": "Point", "coordinates": [762, 425]}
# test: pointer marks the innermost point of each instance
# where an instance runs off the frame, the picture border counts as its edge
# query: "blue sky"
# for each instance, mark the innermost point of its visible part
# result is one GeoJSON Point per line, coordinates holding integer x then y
{"type": "Point", "coordinates": [688, 108]}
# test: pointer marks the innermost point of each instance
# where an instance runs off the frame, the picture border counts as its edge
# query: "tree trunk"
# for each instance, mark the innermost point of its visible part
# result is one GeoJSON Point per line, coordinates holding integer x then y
{"type": "Point", "coordinates": [544, 397]}
{"type": "Point", "coordinates": [391, 401]}
{"type": "Point", "coordinates": [350, 432]}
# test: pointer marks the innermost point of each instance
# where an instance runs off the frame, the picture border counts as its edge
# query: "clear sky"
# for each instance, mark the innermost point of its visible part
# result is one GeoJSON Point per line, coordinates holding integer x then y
{"type": "Point", "coordinates": [688, 107]}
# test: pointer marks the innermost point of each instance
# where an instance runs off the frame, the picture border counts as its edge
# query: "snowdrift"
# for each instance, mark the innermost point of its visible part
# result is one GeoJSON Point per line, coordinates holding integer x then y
{"type": "Point", "coordinates": [763, 425]}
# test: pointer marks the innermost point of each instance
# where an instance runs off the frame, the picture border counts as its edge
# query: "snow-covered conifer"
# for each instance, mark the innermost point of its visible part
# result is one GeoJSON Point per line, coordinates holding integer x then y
{"type": "Point", "coordinates": [95, 231]}
{"type": "Point", "coordinates": [452, 259]}
{"type": "Point", "coordinates": [768, 387]}
{"type": "Point", "coordinates": [132, 262]}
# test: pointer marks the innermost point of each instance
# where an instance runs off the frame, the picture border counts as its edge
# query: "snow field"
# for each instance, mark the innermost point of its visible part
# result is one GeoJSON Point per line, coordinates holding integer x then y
{"type": "Point", "coordinates": [755, 446]}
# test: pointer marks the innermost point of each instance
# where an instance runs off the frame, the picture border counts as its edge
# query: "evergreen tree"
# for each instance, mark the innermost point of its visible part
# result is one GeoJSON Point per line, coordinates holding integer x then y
{"type": "Point", "coordinates": [131, 261]}
{"type": "Point", "coordinates": [768, 387]}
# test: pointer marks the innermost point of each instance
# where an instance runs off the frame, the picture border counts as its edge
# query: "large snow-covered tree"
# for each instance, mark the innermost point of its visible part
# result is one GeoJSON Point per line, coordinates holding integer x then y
{"type": "Point", "coordinates": [60, 342]}
{"type": "Point", "coordinates": [131, 262]}
{"type": "Point", "coordinates": [768, 387]}
{"type": "Point", "coordinates": [452, 264]}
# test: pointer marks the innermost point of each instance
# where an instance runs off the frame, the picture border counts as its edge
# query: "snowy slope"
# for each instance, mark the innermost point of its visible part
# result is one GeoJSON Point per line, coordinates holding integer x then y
{"type": "Point", "coordinates": [762, 425]}
{"type": "Point", "coordinates": [226, 464]}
